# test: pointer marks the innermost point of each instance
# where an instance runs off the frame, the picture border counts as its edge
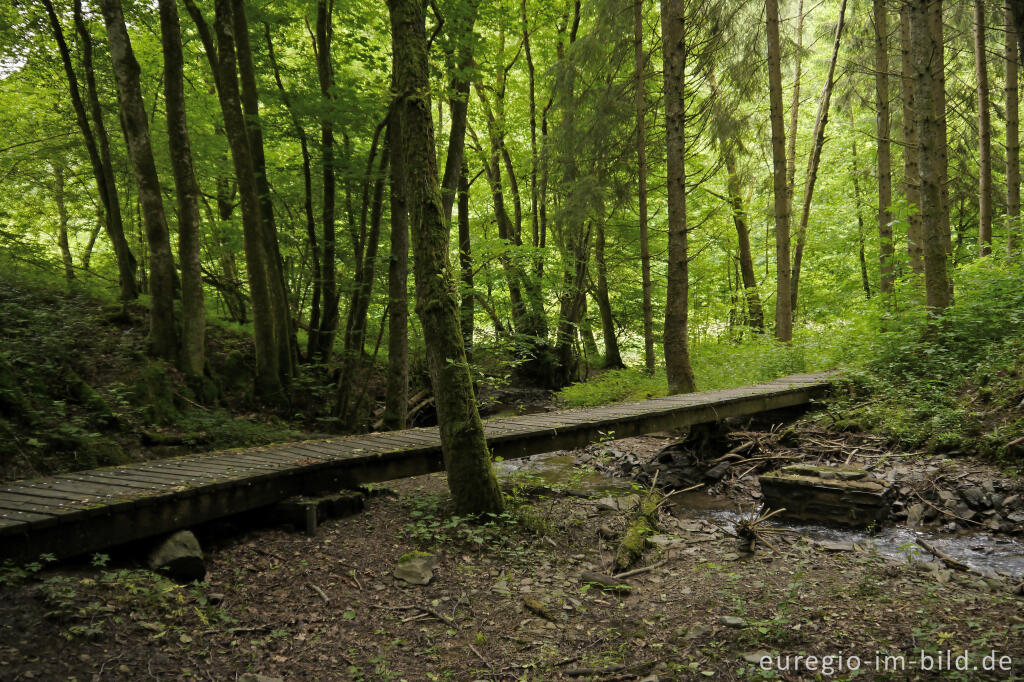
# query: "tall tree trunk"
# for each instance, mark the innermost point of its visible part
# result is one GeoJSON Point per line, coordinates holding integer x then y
{"type": "Point", "coordinates": [101, 219]}
{"type": "Point", "coordinates": [794, 108]}
{"type": "Point", "coordinates": [886, 251]}
{"type": "Point", "coordinates": [928, 141]}
{"type": "Point", "coordinates": [820, 121]}
{"type": "Point", "coordinates": [307, 205]}
{"type": "Point", "coordinates": [163, 337]}
{"type": "Point", "coordinates": [325, 75]}
{"type": "Point", "coordinates": [268, 380]}
{"type": "Point", "coordinates": [911, 171]}
{"type": "Point", "coordinates": [193, 307]}
{"type": "Point", "coordinates": [640, 84]}
{"type": "Point", "coordinates": [677, 350]}
{"type": "Point", "coordinates": [783, 300]}
{"type": "Point", "coordinates": [466, 309]}
{"type": "Point", "coordinates": [1012, 137]}
{"type": "Point", "coordinates": [938, 64]}
{"type": "Point", "coordinates": [98, 148]}
{"type": "Point", "coordinates": [284, 333]}
{"type": "Point", "coordinates": [984, 134]}
{"type": "Point", "coordinates": [471, 480]}
{"type": "Point", "coordinates": [612, 357]}
{"type": "Point", "coordinates": [62, 225]}
{"type": "Point", "coordinates": [397, 392]}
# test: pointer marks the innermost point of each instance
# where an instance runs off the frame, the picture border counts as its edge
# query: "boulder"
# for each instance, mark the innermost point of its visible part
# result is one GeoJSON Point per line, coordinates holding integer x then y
{"type": "Point", "coordinates": [179, 557]}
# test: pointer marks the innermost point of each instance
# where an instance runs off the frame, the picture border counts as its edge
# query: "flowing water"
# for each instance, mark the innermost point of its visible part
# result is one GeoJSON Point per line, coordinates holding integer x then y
{"type": "Point", "coordinates": [983, 551]}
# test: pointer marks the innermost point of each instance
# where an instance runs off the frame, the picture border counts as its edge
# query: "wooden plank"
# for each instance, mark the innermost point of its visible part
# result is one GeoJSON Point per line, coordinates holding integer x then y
{"type": "Point", "coordinates": [39, 490]}
{"type": "Point", "coordinates": [89, 488]}
{"type": "Point", "coordinates": [87, 476]}
{"type": "Point", "coordinates": [23, 517]}
{"type": "Point", "coordinates": [44, 505]}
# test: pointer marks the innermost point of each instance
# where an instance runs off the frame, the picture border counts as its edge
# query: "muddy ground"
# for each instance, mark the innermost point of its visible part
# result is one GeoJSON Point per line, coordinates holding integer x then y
{"type": "Point", "coordinates": [506, 601]}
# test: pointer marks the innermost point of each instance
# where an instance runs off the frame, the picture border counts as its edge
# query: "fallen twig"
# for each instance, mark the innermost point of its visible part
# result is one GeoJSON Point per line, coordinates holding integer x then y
{"type": "Point", "coordinates": [642, 569]}
{"type": "Point", "coordinates": [480, 656]}
{"type": "Point", "coordinates": [950, 561]}
{"type": "Point", "coordinates": [327, 600]}
{"type": "Point", "coordinates": [946, 512]}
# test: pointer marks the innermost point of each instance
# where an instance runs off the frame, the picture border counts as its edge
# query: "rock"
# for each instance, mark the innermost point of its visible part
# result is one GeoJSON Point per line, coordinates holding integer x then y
{"type": "Point", "coordinates": [756, 657]}
{"type": "Point", "coordinates": [947, 498]}
{"type": "Point", "coordinates": [606, 532]}
{"type": "Point", "coordinates": [1011, 501]}
{"type": "Point", "coordinates": [256, 677]}
{"type": "Point", "coordinates": [416, 568]}
{"type": "Point", "coordinates": [830, 546]}
{"type": "Point", "coordinates": [650, 678]}
{"type": "Point", "coordinates": [663, 540]}
{"type": "Point", "coordinates": [975, 497]}
{"type": "Point", "coordinates": [179, 557]}
{"type": "Point", "coordinates": [732, 621]}
{"type": "Point", "coordinates": [623, 503]}
{"type": "Point", "coordinates": [915, 514]}
{"type": "Point", "coordinates": [697, 632]}
{"type": "Point", "coordinates": [997, 500]}
{"type": "Point", "coordinates": [716, 472]}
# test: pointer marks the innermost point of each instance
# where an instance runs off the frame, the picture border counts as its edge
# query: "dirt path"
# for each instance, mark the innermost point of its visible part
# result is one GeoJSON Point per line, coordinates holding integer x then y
{"type": "Point", "coordinates": [506, 602]}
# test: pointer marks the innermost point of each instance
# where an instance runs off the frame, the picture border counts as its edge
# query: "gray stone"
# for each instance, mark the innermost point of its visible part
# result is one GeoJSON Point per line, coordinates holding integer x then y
{"type": "Point", "coordinates": [915, 514]}
{"type": "Point", "coordinates": [947, 498]}
{"type": "Point", "coordinates": [416, 568]}
{"type": "Point", "coordinates": [1011, 501]}
{"type": "Point", "coordinates": [697, 632]}
{"type": "Point", "coordinates": [756, 657]}
{"type": "Point", "coordinates": [732, 621]}
{"type": "Point", "coordinates": [663, 540]}
{"type": "Point", "coordinates": [975, 497]}
{"type": "Point", "coordinates": [622, 503]}
{"type": "Point", "coordinates": [997, 500]}
{"type": "Point", "coordinates": [179, 557]}
{"type": "Point", "coordinates": [830, 546]}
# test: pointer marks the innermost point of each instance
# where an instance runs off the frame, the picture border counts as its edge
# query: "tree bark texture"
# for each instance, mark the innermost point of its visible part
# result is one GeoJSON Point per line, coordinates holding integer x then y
{"type": "Point", "coordinates": [640, 84]}
{"type": "Point", "coordinates": [929, 139]}
{"type": "Point", "coordinates": [886, 249]}
{"type": "Point", "coordinates": [397, 392]}
{"type": "Point", "coordinates": [984, 134]}
{"type": "Point", "coordinates": [193, 307]}
{"type": "Point", "coordinates": [677, 350]}
{"type": "Point", "coordinates": [1012, 137]}
{"type": "Point", "coordinates": [783, 300]}
{"type": "Point", "coordinates": [911, 170]}
{"type": "Point", "coordinates": [163, 337]}
{"type": "Point", "coordinates": [471, 479]}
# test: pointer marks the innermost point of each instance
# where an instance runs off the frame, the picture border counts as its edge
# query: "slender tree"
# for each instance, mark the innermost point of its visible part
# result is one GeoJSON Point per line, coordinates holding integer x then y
{"type": "Point", "coordinates": [783, 296]}
{"type": "Point", "coordinates": [397, 392]}
{"type": "Point", "coordinates": [677, 352]}
{"type": "Point", "coordinates": [886, 250]}
{"type": "Point", "coordinates": [813, 163]}
{"type": "Point", "coordinates": [98, 147]}
{"type": "Point", "coordinates": [470, 477]}
{"type": "Point", "coordinates": [1012, 136]}
{"type": "Point", "coordinates": [640, 84]}
{"type": "Point", "coordinates": [193, 306]}
{"type": "Point", "coordinates": [984, 134]}
{"type": "Point", "coordinates": [911, 171]}
{"type": "Point", "coordinates": [163, 337]}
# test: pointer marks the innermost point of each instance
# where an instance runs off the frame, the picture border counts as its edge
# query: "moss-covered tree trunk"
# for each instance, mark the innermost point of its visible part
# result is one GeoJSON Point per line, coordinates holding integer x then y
{"type": "Point", "coordinates": [886, 250]}
{"type": "Point", "coordinates": [984, 133]}
{"type": "Point", "coordinates": [397, 393]}
{"type": "Point", "coordinates": [163, 336]}
{"type": "Point", "coordinates": [193, 307]}
{"type": "Point", "coordinates": [471, 480]}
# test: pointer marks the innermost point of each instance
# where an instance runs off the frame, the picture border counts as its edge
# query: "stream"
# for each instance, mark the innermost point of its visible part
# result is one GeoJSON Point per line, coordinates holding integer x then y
{"type": "Point", "coordinates": [1003, 555]}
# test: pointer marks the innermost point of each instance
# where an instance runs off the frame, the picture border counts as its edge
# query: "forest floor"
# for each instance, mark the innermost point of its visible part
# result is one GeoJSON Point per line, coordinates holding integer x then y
{"type": "Point", "coordinates": [507, 601]}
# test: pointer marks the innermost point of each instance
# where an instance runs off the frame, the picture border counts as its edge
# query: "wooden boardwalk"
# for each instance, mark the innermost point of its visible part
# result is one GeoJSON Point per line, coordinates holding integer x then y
{"type": "Point", "coordinates": [90, 510]}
